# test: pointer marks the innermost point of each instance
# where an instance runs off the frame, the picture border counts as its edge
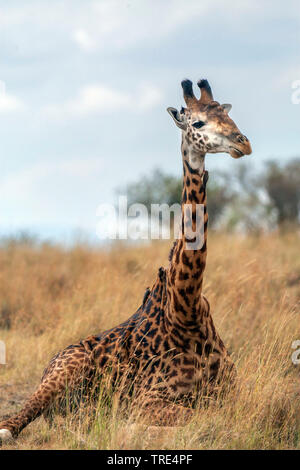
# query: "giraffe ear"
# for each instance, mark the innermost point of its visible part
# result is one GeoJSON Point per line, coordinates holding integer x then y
{"type": "Point", "coordinates": [177, 117]}
{"type": "Point", "coordinates": [227, 107]}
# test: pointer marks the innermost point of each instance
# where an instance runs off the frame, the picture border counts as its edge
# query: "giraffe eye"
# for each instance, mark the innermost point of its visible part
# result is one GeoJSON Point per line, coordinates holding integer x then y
{"type": "Point", "coordinates": [198, 124]}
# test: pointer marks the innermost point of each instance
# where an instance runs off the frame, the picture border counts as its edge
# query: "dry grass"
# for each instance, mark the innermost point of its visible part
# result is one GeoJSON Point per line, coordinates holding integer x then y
{"type": "Point", "coordinates": [50, 298]}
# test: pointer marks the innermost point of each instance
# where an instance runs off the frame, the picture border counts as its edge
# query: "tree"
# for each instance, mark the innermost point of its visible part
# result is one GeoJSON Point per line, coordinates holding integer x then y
{"type": "Point", "coordinates": [249, 210]}
{"type": "Point", "coordinates": [157, 188]}
{"type": "Point", "coordinates": [243, 198]}
{"type": "Point", "coordinates": [162, 188]}
{"type": "Point", "coordinates": [282, 184]}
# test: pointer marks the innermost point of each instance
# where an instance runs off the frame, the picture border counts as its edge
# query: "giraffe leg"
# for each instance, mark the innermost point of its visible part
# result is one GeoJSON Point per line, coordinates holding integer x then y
{"type": "Point", "coordinates": [33, 408]}
{"type": "Point", "coordinates": [67, 373]}
{"type": "Point", "coordinates": [161, 412]}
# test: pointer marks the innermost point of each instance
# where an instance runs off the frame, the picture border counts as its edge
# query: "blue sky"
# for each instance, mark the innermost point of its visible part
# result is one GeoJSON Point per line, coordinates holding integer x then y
{"type": "Point", "coordinates": [84, 87]}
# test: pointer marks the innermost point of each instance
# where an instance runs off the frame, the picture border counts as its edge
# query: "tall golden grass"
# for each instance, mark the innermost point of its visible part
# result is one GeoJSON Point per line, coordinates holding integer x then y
{"type": "Point", "coordinates": [51, 297]}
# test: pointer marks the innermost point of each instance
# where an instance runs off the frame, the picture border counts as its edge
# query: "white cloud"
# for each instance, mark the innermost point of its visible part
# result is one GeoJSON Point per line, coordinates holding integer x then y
{"type": "Point", "coordinates": [150, 96]}
{"type": "Point", "coordinates": [8, 103]}
{"type": "Point", "coordinates": [90, 99]}
{"type": "Point", "coordinates": [116, 24]}
{"type": "Point", "coordinates": [49, 191]}
{"type": "Point", "coordinates": [99, 98]}
{"type": "Point", "coordinates": [20, 184]}
{"type": "Point", "coordinates": [84, 40]}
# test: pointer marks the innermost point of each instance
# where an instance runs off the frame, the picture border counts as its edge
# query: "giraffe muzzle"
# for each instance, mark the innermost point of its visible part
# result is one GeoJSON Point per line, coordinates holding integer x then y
{"type": "Point", "coordinates": [240, 147]}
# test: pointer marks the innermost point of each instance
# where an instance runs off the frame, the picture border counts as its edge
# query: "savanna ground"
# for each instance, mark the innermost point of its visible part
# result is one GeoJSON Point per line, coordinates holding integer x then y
{"type": "Point", "coordinates": [50, 297]}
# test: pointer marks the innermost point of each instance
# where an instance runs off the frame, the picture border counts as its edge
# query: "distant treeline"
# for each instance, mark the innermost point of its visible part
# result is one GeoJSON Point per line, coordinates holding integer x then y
{"type": "Point", "coordinates": [241, 198]}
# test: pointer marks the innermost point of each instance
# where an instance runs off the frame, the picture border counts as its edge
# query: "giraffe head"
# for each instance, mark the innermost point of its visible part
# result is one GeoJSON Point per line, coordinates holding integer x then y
{"type": "Point", "coordinates": [206, 126]}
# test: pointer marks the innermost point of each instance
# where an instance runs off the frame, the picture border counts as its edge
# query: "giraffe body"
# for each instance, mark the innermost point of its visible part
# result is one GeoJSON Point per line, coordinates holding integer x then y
{"type": "Point", "coordinates": [168, 354]}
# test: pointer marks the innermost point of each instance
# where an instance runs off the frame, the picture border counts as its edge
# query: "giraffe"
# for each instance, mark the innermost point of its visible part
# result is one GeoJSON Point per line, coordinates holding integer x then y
{"type": "Point", "coordinates": [168, 354]}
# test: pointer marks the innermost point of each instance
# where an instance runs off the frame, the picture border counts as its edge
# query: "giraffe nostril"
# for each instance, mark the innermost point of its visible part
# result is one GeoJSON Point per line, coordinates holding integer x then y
{"type": "Point", "coordinates": [240, 138]}
{"type": "Point", "coordinates": [237, 137]}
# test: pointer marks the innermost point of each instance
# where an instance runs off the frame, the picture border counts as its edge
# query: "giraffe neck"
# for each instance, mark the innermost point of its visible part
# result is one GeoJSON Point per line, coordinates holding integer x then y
{"type": "Point", "coordinates": [187, 307]}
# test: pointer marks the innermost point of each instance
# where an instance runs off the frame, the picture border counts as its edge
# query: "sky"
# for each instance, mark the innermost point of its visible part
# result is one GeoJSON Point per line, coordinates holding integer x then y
{"type": "Point", "coordinates": [84, 87]}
